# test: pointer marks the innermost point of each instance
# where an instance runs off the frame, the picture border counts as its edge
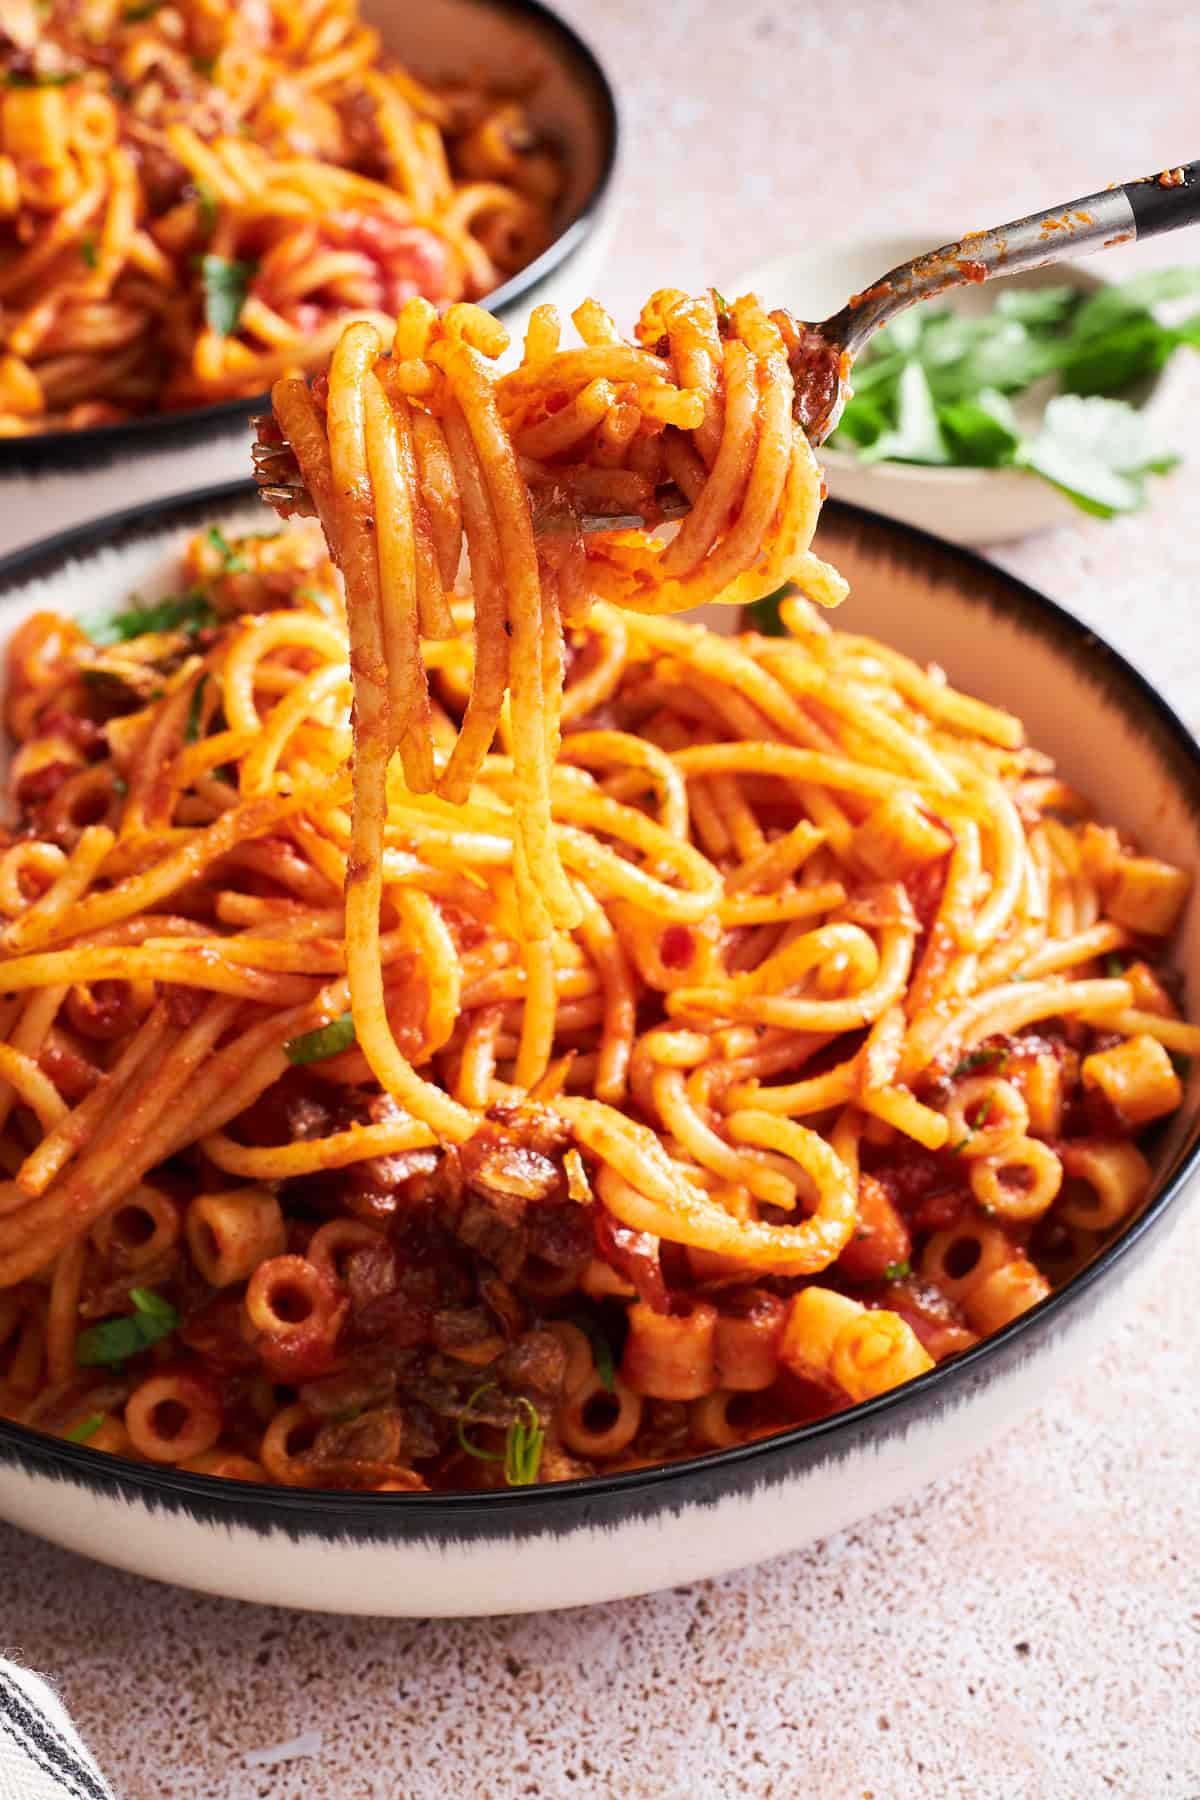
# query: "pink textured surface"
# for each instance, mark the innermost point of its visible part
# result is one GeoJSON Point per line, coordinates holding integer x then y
{"type": "Point", "coordinates": [1025, 1629]}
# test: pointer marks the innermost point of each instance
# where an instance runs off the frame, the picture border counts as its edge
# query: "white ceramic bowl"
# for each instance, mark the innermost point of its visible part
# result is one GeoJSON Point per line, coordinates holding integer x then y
{"type": "Point", "coordinates": [61, 478]}
{"type": "Point", "coordinates": [611, 1536]}
{"type": "Point", "coordinates": [967, 506]}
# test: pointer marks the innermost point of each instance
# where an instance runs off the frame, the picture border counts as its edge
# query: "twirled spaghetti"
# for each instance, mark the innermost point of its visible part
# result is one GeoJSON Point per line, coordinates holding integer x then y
{"type": "Point", "coordinates": [841, 1062]}
{"type": "Point", "coordinates": [192, 198]}
{"type": "Point", "coordinates": [411, 457]}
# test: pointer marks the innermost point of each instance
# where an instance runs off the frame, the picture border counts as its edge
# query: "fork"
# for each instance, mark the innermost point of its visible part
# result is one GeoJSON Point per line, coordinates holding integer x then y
{"type": "Point", "coordinates": [822, 355]}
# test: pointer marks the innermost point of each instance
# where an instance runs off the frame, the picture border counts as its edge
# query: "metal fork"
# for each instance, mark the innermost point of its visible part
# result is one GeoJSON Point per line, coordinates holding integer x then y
{"type": "Point", "coordinates": [822, 354]}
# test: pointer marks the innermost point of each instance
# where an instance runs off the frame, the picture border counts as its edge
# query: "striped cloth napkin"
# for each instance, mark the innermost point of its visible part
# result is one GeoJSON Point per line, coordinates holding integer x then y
{"type": "Point", "coordinates": [41, 1754]}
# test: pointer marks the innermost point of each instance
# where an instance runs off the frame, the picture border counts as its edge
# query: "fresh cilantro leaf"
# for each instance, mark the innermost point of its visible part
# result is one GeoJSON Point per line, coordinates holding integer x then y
{"type": "Point", "coordinates": [233, 562]}
{"type": "Point", "coordinates": [1038, 306]}
{"type": "Point", "coordinates": [981, 431]}
{"type": "Point", "coordinates": [764, 615]}
{"type": "Point", "coordinates": [1113, 304]}
{"type": "Point", "coordinates": [188, 612]}
{"type": "Point", "coordinates": [226, 284]}
{"type": "Point", "coordinates": [916, 436]}
{"type": "Point", "coordinates": [326, 1040]}
{"type": "Point", "coordinates": [1097, 451]}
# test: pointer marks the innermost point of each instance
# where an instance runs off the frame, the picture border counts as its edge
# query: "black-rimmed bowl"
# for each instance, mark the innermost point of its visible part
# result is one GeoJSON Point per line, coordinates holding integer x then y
{"type": "Point", "coordinates": [601, 1539]}
{"type": "Point", "coordinates": [572, 104]}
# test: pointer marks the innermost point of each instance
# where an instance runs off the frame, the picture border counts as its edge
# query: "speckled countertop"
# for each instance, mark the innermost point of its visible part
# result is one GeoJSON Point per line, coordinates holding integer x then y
{"type": "Point", "coordinates": [1030, 1627]}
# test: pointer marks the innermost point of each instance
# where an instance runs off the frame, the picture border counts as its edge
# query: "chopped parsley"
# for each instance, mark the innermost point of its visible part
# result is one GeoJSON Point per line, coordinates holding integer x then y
{"type": "Point", "coordinates": [896, 1271]}
{"type": "Point", "coordinates": [188, 612]}
{"type": "Point", "coordinates": [226, 284]}
{"type": "Point", "coordinates": [206, 205]}
{"type": "Point", "coordinates": [87, 251]}
{"type": "Point", "coordinates": [232, 561]}
{"type": "Point", "coordinates": [85, 1429]}
{"type": "Point", "coordinates": [115, 1340]}
{"type": "Point", "coordinates": [993, 1056]}
{"type": "Point", "coordinates": [326, 1040]}
{"type": "Point", "coordinates": [764, 615]}
{"type": "Point", "coordinates": [981, 1111]}
{"type": "Point", "coordinates": [15, 79]}
{"type": "Point", "coordinates": [191, 731]}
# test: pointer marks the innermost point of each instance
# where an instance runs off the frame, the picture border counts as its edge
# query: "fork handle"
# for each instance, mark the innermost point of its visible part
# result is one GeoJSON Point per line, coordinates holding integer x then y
{"type": "Point", "coordinates": [1117, 215]}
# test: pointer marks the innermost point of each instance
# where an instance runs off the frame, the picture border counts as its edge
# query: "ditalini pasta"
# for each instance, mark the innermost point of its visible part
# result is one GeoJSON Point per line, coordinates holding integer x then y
{"type": "Point", "coordinates": [437, 1055]}
{"type": "Point", "coordinates": [192, 198]}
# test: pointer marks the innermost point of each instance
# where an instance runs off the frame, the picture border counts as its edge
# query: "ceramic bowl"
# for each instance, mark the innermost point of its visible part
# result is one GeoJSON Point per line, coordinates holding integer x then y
{"type": "Point", "coordinates": [63, 477]}
{"type": "Point", "coordinates": [968, 506]}
{"type": "Point", "coordinates": [613, 1536]}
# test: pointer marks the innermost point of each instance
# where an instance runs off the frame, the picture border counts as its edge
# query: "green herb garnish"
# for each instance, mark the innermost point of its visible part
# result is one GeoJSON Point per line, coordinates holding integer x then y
{"type": "Point", "coordinates": [523, 1445]}
{"type": "Point", "coordinates": [191, 730]}
{"type": "Point", "coordinates": [87, 251]}
{"type": "Point", "coordinates": [114, 1341]}
{"type": "Point", "coordinates": [602, 1354]}
{"type": "Point", "coordinates": [764, 615]}
{"type": "Point", "coordinates": [981, 1112]}
{"type": "Point", "coordinates": [523, 1441]}
{"type": "Point", "coordinates": [232, 561]}
{"type": "Point", "coordinates": [993, 1056]}
{"type": "Point", "coordinates": [15, 80]}
{"type": "Point", "coordinates": [188, 612]}
{"type": "Point", "coordinates": [86, 1428]}
{"type": "Point", "coordinates": [226, 284]}
{"type": "Point", "coordinates": [326, 1040]}
{"type": "Point", "coordinates": [934, 387]}
{"type": "Point", "coordinates": [896, 1271]}
{"type": "Point", "coordinates": [206, 205]}
{"type": "Point", "coordinates": [722, 304]}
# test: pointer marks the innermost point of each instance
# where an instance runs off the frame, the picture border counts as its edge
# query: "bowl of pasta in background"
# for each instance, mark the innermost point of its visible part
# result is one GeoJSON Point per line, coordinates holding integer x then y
{"type": "Point", "coordinates": [609, 1536]}
{"type": "Point", "coordinates": [563, 106]}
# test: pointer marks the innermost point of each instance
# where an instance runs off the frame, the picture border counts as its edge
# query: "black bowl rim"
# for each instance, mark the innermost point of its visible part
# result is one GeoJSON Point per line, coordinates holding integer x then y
{"type": "Point", "coordinates": [199, 422]}
{"type": "Point", "coordinates": [541, 1499]}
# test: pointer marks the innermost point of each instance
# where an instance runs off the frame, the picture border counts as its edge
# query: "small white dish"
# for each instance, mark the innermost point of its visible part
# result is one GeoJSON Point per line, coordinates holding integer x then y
{"type": "Point", "coordinates": [967, 506]}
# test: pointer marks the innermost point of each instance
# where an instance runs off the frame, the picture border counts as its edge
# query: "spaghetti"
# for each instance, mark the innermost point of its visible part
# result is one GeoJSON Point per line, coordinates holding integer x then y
{"type": "Point", "coordinates": [841, 1059]}
{"type": "Point", "coordinates": [193, 199]}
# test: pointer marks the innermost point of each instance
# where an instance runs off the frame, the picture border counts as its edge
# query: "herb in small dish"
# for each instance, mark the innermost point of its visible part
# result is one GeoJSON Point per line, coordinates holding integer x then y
{"type": "Point", "coordinates": [937, 388]}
